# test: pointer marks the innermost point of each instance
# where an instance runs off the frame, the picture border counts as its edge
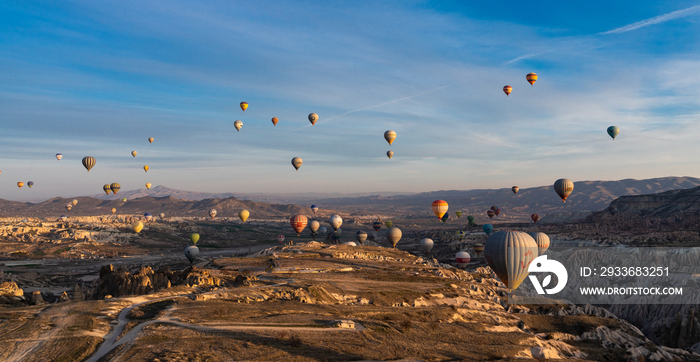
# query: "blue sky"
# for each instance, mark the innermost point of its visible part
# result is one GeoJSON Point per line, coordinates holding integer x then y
{"type": "Point", "coordinates": [99, 78]}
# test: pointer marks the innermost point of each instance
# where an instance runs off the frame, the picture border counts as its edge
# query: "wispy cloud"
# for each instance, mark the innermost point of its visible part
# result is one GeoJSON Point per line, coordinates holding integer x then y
{"type": "Point", "coordinates": [655, 20]}
{"type": "Point", "coordinates": [526, 56]}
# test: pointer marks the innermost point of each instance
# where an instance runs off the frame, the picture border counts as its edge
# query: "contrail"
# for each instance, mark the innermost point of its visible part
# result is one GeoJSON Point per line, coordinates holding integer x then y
{"type": "Point", "coordinates": [524, 57]}
{"type": "Point", "coordinates": [383, 104]}
{"type": "Point", "coordinates": [655, 20]}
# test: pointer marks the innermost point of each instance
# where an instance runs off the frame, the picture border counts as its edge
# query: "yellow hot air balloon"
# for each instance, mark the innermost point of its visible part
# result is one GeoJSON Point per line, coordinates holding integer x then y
{"type": "Point", "coordinates": [74, 202]}
{"type": "Point", "coordinates": [106, 189]}
{"type": "Point", "coordinates": [507, 89]}
{"type": "Point", "coordinates": [243, 215]}
{"type": "Point", "coordinates": [440, 208]}
{"type": "Point", "coordinates": [137, 226]}
{"type": "Point", "coordinates": [313, 118]}
{"type": "Point", "coordinates": [531, 78]}
{"type": "Point", "coordinates": [20, 184]}
{"type": "Point", "coordinates": [148, 185]}
{"type": "Point", "coordinates": [244, 106]}
{"type": "Point", "coordinates": [89, 162]}
{"type": "Point", "coordinates": [114, 210]}
{"type": "Point", "coordinates": [150, 139]}
{"type": "Point", "coordinates": [390, 136]}
{"type": "Point", "coordinates": [145, 168]}
{"type": "Point", "coordinates": [296, 162]}
{"type": "Point", "coordinates": [134, 153]}
{"type": "Point", "coordinates": [115, 187]}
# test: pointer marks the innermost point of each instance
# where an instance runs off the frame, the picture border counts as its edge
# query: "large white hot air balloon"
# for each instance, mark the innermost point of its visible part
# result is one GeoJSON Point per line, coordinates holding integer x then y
{"type": "Point", "coordinates": [394, 235]}
{"type": "Point", "coordinates": [335, 221]}
{"type": "Point", "coordinates": [509, 254]}
{"type": "Point", "coordinates": [427, 245]}
{"type": "Point", "coordinates": [542, 241]}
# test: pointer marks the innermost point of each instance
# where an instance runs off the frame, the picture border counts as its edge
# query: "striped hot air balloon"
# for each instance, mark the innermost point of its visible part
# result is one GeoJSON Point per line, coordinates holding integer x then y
{"type": "Point", "coordinates": [563, 187]}
{"type": "Point", "coordinates": [390, 136]}
{"type": "Point", "coordinates": [509, 254]}
{"type": "Point", "coordinates": [478, 248]}
{"type": "Point", "coordinates": [377, 225]}
{"type": "Point", "coordinates": [274, 121]}
{"type": "Point", "coordinates": [439, 208]}
{"type": "Point", "coordinates": [490, 213]}
{"type": "Point", "coordinates": [542, 241]}
{"type": "Point", "coordinates": [507, 89]}
{"type": "Point", "coordinates": [89, 162]}
{"type": "Point", "coordinates": [531, 78]}
{"type": "Point", "coordinates": [106, 188]}
{"type": "Point", "coordinates": [515, 189]}
{"type": "Point", "coordinates": [115, 187]}
{"type": "Point", "coordinates": [244, 106]}
{"type": "Point", "coordinates": [298, 223]}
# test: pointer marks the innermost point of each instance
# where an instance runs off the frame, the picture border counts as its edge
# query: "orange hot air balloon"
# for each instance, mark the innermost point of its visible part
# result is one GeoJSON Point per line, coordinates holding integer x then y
{"type": "Point", "coordinates": [20, 184]}
{"type": "Point", "coordinates": [274, 121]}
{"type": "Point", "coordinates": [150, 139]}
{"type": "Point", "coordinates": [145, 168]}
{"type": "Point", "coordinates": [507, 89]}
{"type": "Point", "coordinates": [515, 189]}
{"type": "Point", "coordinates": [531, 78]}
{"type": "Point", "coordinates": [298, 223]}
{"type": "Point", "coordinates": [244, 106]}
{"type": "Point", "coordinates": [535, 217]}
{"type": "Point", "coordinates": [439, 208]}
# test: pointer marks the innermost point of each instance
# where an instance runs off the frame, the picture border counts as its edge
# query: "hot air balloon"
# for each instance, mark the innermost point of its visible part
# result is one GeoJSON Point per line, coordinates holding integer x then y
{"type": "Point", "coordinates": [509, 254]}
{"type": "Point", "coordinates": [191, 253]}
{"type": "Point", "coordinates": [244, 106]}
{"type": "Point", "coordinates": [30, 184]}
{"type": "Point", "coordinates": [145, 168]}
{"type": "Point", "coordinates": [313, 117]}
{"type": "Point", "coordinates": [106, 189]}
{"type": "Point", "coordinates": [350, 243]}
{"type": "Point", "coordinates": [388, 223]}
{"type": "Point", "coordinates": [515, 189]}
{"type": "Point", "coordinates": [361, 236]}
{"type": "Point", "coordinates": [613, 131]}
{"type": "Point", "coordinates": [478, 248]}
{"type": "Point", "coordinates": [150, 139]}
{"type": "Point", "coordinates": [439, 208]}
{"type": "Point", "coordinates": [497, 211]}
{"type": "Point", "coordinates": [445, 217]}
{"type": "Point", "coordinates": [488, 229]}
{"type": "Point", "coordinates": [390, 154]}
{"type": "Point", "coordinates": [212, 213]}
{"type": "Point", "coordinates": [507, 89]}
{"type": "Point", "coordinates": [124, 199]}
{"type": "Point", "coordinates": [69, 207]}
{"type": "Point", "coordinates": [542, 241]}
{"type": "Point", "coordinates": [194, 238]}
{"type": "Point", "coordinates": [148, 185]}
{"type": "Point", "coordinates": [335, 221]}
{"type": "Point", "coordinates": [462, 258]}
{"type": "Point", "coordinates": [243, 215]}
{"type": "Point", "coordinates": [534, 217]}
{"type": "Point", "coordinates": [490, 213]}
{"type": "Point", "coordinates": [89, 162]}
{"type": "Point", "coordinates": [137, 226]}
{"type": "Point", "coordinates": [115, 187]}
{"type": "Point", "coordinates": [531, 78]}
{"type": "Point", "coordinates": [238, 125]}
{"type": "Point", "coordinates": [335, 235]}
{"type": "Point", "coordinates": [298, 223]}
{"type": "Point", "coordinates": [64, 217]}
{"type": "Point", "coordinates": [563, 188]}
{"type": "Point", "coordinates": [390, 136]}
{"type": "Point", "coordinates": [114, 209]}
{"type": "Point", "coordinates": [134, 153]}
{"type": "Point", "coordinates": [470, 219]}
{"type": "Point", "coordinates": [280, 239]}
{"type": "Point", "coordinates": [314, 208]}
{"type": "Point", "coordinates": [296, 162]}
{"type": "Point", "coordinates": [458, 213]}
{"type": "Point", "coordinates": [377, 225]}
{"type": "Point", "coordinates": [161, 215]}
{"type": "Point", "coordinates": [274, 121]}
{"type": "Point", "coordinates": [394, 235]}
{"type": "Point", "coordinates": [59, 156]}
{"type": "Point", "coordinates": [314, 225]}
{"type": "Point", "coordinates": [459, 234]}
{"type": "Point", "coordinates": [322, 230]}
{"type": "Point", "coordinates": [148, 216]}
{"type": "Point", "coordinates": [74, 202]}
{"type": "Point", "coordinates": [427, 245]}
{"type": "Point", "coordinates": [612, 209]}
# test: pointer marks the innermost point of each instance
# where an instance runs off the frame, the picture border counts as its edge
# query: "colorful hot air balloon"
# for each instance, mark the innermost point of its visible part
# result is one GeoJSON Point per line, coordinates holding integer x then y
{"type": "Point", "coordinates": [534, 217]}
{"type": "Point", "coordinates": [478, 248]}
{"type": "Point", "coordinates": [124, 199]}
{"type": "Point", "coordinates": [440, 208]}
{"type": "Point", "coordinates": [377, 225]}
{"type": "Point", "coordinates": [497, 211]}
{"type": "Point", "coordinates": [390, 136]}
{"type": "Point", "coordinates": [148, 216]}
{"type": "Point", "coordinates": [150, 139]}
{"type": "Point", "coordinates": [394, 235]}
{"type": "Point", "coordinates": [74, 202]}
{"type": "Point", "coordinates": [212, 213]}
{"type": "Point", "coordinates": [488, 229]}
{"type": "Point", "coordinates": [613, 131]}
{"type": "Point", "coordinates": [314, 208]}
{"type": "Point", "coordinates": [243, 215]}
{"type": "Point", "coordinates": [515, 189]}
{"type": "Point", "coordinates": [390, 154]}
{"type": "Point", "coordinates": [191, 253]}
{"type": "Point", "coordinates": [507, 89]}
{"type": "Point", "coordinates": [137, 226]}
{"type": "Point", "coordinates": [459, 234]}
{"type": "Point", "coordinates": [115, 187]}
{"type": "Point", "coordinates": [106, 188]}
{"type": "Point", "coordinates": [238, 125]}
{"type": "Point", "coordinates": [89, 162]}
{"type": "Point", "coordinates": [30, 184]}
{"type": "Point", "coordinates": [20, 184]}
{"type": "Point", "coordinates": [114, 209]}
{"type": "Point", "coordinates": [490, 213]}
{"type": "Point", "coordinates": [59, 156]}
{"type": "Point", "coordinates": [509, 254]}
{"type": "Point", "coordinates": [313, 118]}
{"type": "Point", "coordinates": [445, 217]}
{"type": "Point", "coordinates": [134, 153]}
{"type": "Point", "coordinates": [148, 185]}
{"type": "Point", "coordinates": [361, 236]}
{"type": "Point", "coordinates": [244, 106]}
{"type": "Point", "coordinates": [296, 162]}
{"type": "Point", "coordinates": [64, 217]}
{"type": "Point", "coordinates": [298, 223]}
{"type": "Point", "coordinates": [563, 188]}
{"type": "Point", "coordinates": [194, 238]}
{"type": "Point", "coordinates": [322, 230]}
{"type": "Point", "coordinates": [69, 207]}
{"type": "Point", "coordinates": [274, 121]}
{"type": "Point", "coordinates": [542, 241]}
{"type": "Point", "coordinates": [280, 239]}
{"type": "Point", "coordinates": [462, 258]}
{"type": "Point", "coordinates": [161, 215]}
{"type": "Point", "coordinates": [145, 168]}
{"type": "Point", "coordinates": [427, 245]}
{"type": "Point", "coordinates": [335, 221]}
{"type": "Point", "coordinates": [531, 78]}
{"type": "Point", "coordinates": [388, 223]}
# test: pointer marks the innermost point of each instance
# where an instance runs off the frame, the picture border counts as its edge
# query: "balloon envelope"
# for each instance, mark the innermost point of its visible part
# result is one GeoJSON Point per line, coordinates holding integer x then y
{"type": "Point", "coordinates": [488, 229]}
{"type": "Point", "coordinates": [30, 184]}
{"type": "Point", "coordinates": [376, 225]}
{"type": "Point", "coordinates": [134, 153]}
{"type": "Point", "coordinates": [238, 125]}
{"type": "Point", "coordinates": [212, 213]}
{"type": "Point", "coordinates": [137, 226]}
{"type": "Point", "coordinates": [515, 189]}
{"type": "Point", "coordinates": [459, 234]}
{"type": "Point", "coordinates": [445, 217]}
{"type": "Point", "coordinates": [439, 208]}
{"type": "Point", "coordinates": [148, 185]}
{"type": "Point", "coordinates": [106, 188]}
{"type": "Point", "coordinates": [390, 136]}
{"type": "Point", "coordinates": [390, 154]}
{"type": "Point", "coordinates": [478, 248]}
{"type": "Point", "coordinates": [244, 106]}
{"type": "Point", "coordinates": [426, 244]}
{"type": "Point", "coordinates": [115, 187]}
{"type": "Point", "coordinates": [59, 156]}
{"type": "Point", "coordinates": [563, 187]}
{"type": "Point", "coordinates": [314, 225]}
{"type": "Point", "coordinates": [296, 162]}
{"type": "Point", "coordinates": [148, 216]}
{"type": "Point", "coordinates": [280, 239]}
{"type": "Point", "coordinates": [150, 139]}
{"type": "Point", "coordinates": [394, 235]}
{"type": "Point", "coordinates": [243, 215]}
{"type": "Point", "coordinates": [145, 168]}
{"type": "Point", "coordinates": [361, 236]}
{"type": "Point", "coordinates": [89, 162]}
{"type": "Point", "coordinates": [74, 202]}
{"type": "Point", "coordinates": [490, 213]}
{"type": "Point", "coordinates": [535, 217]}
{"type": "Point", "coordinates": [459, 214]}
{"type": "Point", "coordinates": [313, 118]}
{"type": "Point", "coordinates": [274, 121]}
{"type": "Point", "coordinates": [114, 209]}
{"type": "Point", "coordinates": [161, 215]}
{"type": "Point", "coordinates": [314, 208]}
{"type": "Point", "coordinates": [531, 78]}
{"type": "Point", "coordinates": [509, 254]}
{"type": "Point", "coordinates": [298, 223]}
{"type": "Point", "coordinates": [507, 89]}
{"type": "Point", "coordinates": [194, 238]}
{"type": "Point", "coordinates": [388, 223]}
{"type": "Point", "coordinates": [64, 217]}
{"type": "Point", "coordinates": [335, 221]}
{"type": "Point", "coordinates": [613, 131]}
{"type": "Point", "coordinates": [462, 258]}
{"type": "Point", "coordinates": [191, 253]}
{"type": "Point", "coordinates": [542, 241]}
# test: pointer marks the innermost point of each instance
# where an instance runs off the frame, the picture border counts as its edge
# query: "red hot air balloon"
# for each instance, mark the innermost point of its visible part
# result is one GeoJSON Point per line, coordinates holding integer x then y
{"type": "Point", "coordinates": [507, 89]}
{"type": "Point", "coordinates": [298, 223]}
{"type": "Point", "coordinates": [535, 217]}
